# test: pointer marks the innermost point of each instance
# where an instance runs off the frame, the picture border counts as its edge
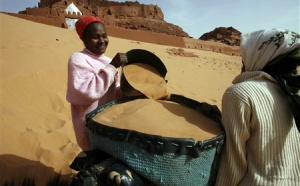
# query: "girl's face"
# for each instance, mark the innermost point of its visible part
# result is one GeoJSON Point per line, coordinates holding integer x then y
{"type": "Point", "coordinates": [95, 38]}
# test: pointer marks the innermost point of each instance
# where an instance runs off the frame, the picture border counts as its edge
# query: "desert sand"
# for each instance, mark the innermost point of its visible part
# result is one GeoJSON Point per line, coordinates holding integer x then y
{"type": "Point", "coordinates": [37, 137]}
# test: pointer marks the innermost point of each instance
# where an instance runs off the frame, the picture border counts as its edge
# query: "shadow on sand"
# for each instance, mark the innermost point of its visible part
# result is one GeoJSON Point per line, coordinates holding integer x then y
{"type": "Point", "coordinates": [15, 170]}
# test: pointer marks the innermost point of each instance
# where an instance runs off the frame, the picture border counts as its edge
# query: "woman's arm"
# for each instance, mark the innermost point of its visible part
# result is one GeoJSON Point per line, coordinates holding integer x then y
{"type": "Point", "coordinates": [235, 119]}
{"type": "Point", "coordinates": [86, 83]}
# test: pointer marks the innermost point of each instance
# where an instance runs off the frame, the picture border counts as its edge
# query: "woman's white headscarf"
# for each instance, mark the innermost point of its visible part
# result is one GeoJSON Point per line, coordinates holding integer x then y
{"type": "Point", "coordinates": [277, 52]}
{"type": "Point", "coordinates": [260, 47]}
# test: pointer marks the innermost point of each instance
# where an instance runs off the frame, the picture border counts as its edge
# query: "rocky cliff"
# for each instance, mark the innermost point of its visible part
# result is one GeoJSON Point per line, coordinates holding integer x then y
{"type": "Point", "coordinates": [129, 15]}
{"type": "Point", "coordinates": [134, 21]}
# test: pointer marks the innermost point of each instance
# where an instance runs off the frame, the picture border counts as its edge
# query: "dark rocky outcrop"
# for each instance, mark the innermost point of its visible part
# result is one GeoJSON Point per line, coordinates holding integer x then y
{"type": "Point", "coordinates": [226, 35]}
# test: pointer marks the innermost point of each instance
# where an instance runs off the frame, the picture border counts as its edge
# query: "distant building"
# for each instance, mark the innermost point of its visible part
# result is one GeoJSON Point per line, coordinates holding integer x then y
{"type": "Point", "coordinates": [72, 10]}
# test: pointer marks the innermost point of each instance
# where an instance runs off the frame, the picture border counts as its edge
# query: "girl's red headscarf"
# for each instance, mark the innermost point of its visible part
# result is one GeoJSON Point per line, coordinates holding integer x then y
{"type": "Point", "coordinates": [83, 22]}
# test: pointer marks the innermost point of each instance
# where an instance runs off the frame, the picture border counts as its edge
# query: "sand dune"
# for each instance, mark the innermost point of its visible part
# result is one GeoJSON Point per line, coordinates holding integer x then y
{"type": "Point", "coordinates": [37, 138]}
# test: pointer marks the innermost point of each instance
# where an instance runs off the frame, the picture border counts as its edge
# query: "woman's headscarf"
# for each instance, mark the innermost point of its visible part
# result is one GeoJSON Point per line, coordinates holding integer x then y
{"type": "Point", "coordinates": [260, 47]}
{"type": "Point", "coordinates": [277, 52]}
{"type": "Point", "coordinates": [83, 22]}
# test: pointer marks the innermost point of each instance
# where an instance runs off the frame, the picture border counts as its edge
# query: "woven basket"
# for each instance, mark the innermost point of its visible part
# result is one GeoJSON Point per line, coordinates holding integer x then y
{"type": "Point", "coordinates": [162, 160]}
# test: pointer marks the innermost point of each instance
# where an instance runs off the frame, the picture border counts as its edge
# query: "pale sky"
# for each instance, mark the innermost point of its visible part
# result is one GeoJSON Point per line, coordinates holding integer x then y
{"type": "Point", "coordinates": [197, 17]}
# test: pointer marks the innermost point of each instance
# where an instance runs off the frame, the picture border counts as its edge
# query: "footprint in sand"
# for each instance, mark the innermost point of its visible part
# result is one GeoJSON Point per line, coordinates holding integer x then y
{"type": "Point", "coordinates": [213, 100]}
{"type": "Point", "coordinates": [54, 122]}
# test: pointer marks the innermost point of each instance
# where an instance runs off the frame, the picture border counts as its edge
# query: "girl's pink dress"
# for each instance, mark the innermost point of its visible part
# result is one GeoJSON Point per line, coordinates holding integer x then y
{"type": "Point", "coordinates": [92, 81]}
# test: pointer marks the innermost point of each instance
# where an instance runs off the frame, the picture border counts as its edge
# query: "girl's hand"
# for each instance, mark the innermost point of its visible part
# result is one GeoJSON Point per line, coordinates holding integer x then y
{"type": "Point", "coordinates": [120, 59]}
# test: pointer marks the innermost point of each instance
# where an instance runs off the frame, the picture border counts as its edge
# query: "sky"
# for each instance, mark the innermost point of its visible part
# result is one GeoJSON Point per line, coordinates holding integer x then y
{"type": "Point", "coordinates": [197, 17]}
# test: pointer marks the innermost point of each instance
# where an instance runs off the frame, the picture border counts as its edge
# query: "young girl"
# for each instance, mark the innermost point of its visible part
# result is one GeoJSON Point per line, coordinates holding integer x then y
{"type": "Point", "coordinates": [92, 76]}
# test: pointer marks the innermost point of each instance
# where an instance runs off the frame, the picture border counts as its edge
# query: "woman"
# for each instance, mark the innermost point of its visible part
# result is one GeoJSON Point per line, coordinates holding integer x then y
{"type": "Point", "coordinates": [260, 113]}
{"type": "Point", "coordinates": [92, 76]}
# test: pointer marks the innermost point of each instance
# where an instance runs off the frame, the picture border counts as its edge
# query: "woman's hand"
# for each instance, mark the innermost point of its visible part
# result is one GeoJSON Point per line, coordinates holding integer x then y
{"type": "Point", "coordinates": [120, 59]}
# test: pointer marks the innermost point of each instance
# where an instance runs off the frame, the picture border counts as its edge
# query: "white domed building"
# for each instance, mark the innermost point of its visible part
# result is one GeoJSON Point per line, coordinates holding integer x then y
{"type": "Point", "coordinates": [72, 10]}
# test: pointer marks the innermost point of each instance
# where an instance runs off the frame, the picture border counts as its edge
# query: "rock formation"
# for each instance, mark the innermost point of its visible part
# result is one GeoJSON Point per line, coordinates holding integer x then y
{"type": "Point", "coordinates": [226, 35]}
{"type": "Point", "coordinates": [129, 15]}
{"type": "Point", "coordinates": [134, 21]}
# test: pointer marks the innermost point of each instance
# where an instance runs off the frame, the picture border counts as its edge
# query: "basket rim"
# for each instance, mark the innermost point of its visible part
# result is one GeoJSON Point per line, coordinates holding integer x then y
{"type": "Point", "coordinates": [158, 144]}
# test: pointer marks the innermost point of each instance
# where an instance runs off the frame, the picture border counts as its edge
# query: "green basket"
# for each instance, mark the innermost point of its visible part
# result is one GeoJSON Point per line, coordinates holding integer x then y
{"type": "Point", "coordinates": [162, 160]}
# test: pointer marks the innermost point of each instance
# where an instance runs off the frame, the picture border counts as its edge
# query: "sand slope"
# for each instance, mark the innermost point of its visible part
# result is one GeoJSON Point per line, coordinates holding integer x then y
{"type": "Point", "coordinates": [37, 137]}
